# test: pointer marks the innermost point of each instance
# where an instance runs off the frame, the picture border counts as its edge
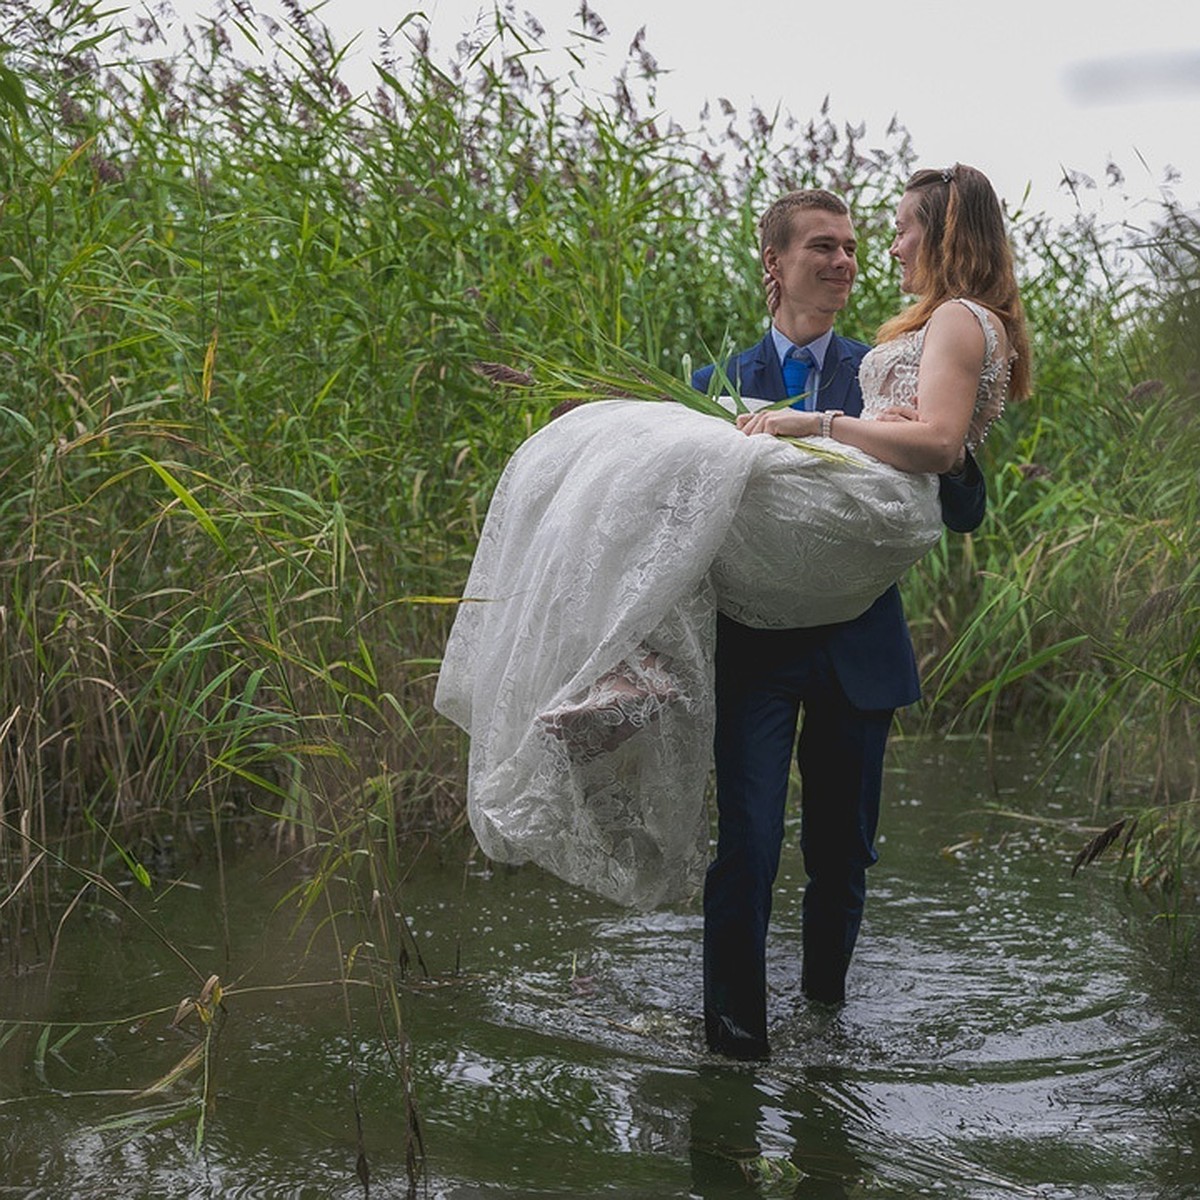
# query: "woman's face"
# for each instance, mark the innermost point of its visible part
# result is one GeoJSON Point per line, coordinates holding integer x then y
{"type": "Point", "coordinates": [907, 243]}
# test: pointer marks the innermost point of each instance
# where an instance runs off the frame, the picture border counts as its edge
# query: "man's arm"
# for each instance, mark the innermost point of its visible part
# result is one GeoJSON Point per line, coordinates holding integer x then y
{"type": "Point", "coordinates": [963, 494]}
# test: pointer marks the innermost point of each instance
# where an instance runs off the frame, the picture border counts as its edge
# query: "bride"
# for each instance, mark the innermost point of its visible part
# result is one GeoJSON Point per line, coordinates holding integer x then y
{"type": "Point", "coordinates": [580, 661]}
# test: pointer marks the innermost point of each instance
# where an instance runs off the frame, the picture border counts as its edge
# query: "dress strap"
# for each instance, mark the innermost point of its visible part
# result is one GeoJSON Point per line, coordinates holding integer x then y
{"type": "Point", "coordinates": [990, 337]}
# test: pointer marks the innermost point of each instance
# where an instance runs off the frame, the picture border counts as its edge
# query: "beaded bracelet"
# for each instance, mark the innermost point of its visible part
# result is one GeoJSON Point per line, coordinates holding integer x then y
{"type": "Point", "coordinates": [827, 421]}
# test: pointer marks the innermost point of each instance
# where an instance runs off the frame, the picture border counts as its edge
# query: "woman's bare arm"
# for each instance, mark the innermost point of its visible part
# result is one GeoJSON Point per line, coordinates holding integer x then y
{"type": "Point", "coordinates": [951, 360]}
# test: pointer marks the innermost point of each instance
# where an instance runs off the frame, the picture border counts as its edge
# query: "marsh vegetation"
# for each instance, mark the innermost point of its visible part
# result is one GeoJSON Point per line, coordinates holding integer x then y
{"type": "Point", "coordinates": [246, 446]}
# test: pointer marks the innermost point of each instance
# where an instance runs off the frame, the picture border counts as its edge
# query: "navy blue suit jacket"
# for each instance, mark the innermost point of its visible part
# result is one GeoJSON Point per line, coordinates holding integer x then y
{"type": "Point", "coordinates": [873, 654]}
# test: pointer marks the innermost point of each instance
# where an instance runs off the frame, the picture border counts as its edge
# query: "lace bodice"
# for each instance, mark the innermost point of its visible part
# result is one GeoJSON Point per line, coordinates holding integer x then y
{"type": "Point", "coordinates": [888, 375]}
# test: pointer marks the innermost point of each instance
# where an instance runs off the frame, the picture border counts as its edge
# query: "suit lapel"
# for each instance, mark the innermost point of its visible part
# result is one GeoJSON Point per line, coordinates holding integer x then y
{"type": "Point", "coordinates": [758, 374]}
{"type": "Point", "coordinates": [837, 378]}
{"type": "Point", "coordinates": [758, 371]}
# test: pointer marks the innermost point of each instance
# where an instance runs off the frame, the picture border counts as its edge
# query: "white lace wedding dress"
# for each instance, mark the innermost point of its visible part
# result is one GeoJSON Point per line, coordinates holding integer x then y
{"type": "Point", "coordinates": [580, 661]}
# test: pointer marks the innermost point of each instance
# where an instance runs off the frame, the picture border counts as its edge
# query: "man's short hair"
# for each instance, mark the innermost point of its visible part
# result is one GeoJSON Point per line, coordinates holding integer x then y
{"type": "Point", "coordinates": [775, 225]}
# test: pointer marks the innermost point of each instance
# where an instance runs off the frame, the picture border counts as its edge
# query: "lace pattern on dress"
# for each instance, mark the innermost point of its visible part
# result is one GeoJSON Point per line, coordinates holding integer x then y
{"type": "Point", "coordinates": [582, 665]}
{"type": "Point", "coordinates": [889, 375]}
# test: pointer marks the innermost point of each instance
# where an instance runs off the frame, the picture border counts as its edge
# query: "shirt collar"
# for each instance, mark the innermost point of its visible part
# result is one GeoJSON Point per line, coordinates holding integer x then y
{"type": "Point", "coordinates": [818, 347]}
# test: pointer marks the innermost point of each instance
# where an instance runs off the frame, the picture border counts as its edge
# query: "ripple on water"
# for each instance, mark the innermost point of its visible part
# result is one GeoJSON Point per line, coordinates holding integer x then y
{"type": "Point", "coordinates": [1000, 1041]}
{"type": "Point", "coordinates": [1006, 1036]}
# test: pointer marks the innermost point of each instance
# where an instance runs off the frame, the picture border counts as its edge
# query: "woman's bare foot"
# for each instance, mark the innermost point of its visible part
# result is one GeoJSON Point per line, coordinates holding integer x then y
{"type": "Point", "coordinates": [614, 708]}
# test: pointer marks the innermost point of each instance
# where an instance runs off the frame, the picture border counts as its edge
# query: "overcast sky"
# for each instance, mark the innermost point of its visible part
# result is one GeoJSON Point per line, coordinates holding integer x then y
{"type": "Point", "coordinates": [1020, 89]}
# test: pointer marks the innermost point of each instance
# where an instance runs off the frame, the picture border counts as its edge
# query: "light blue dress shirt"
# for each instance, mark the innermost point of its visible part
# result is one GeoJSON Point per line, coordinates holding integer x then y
{"type": "Point", "coordinates": [817, 348]}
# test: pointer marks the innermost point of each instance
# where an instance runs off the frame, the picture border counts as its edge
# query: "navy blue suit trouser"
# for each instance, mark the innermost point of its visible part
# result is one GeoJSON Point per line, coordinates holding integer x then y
{"type": "Point", "coordinates": [763, 677]}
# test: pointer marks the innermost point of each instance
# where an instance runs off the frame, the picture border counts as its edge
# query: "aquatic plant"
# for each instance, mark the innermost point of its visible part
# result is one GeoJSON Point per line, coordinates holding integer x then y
{"type": "Point", "coordinates": [1084, 586]}
{"type": "Point", "coordinates": [244, 434]}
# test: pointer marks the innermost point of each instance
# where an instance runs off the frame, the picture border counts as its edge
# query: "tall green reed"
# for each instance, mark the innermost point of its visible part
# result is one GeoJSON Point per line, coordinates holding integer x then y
{"type": "Point", "coordinates": [242, 428]}
{"type": "Point", "coordinates": [242, 432]}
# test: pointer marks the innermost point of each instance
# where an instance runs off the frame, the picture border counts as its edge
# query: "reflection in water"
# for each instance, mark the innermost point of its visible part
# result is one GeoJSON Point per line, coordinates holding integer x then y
{"type": "Point", "coordinates": [1005, 1035]}
{"type": "Point", "coordinates": [1010, 1033]}
{"type": "Point", "coordinates": [748, 1131]}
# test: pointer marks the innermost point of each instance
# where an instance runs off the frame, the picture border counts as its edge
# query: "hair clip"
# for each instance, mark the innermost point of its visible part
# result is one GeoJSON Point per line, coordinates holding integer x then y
{"type": "Point", "coordinates": [948, 175]}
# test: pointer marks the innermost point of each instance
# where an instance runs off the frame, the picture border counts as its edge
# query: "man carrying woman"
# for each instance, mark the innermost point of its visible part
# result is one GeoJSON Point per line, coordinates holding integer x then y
{"type": "Point", "coordinates": [847, 677]}
{"type": "Point", "coordinates": [620, 531]}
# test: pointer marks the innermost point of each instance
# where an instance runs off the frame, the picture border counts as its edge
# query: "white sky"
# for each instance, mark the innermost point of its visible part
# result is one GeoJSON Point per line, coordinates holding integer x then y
{"type": "Point", "coordinates": [999, 85]}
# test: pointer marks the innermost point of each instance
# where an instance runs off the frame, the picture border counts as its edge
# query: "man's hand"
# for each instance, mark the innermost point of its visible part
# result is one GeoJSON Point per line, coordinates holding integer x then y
{"type": "Point", "coordinates": [898, 412]}
{"type": "Point", "coordinates": [781, 422]}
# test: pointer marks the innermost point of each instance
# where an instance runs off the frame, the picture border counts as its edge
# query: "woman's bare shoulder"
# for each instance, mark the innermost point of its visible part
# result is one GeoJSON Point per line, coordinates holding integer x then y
{"type": "Point", "coordinates": [963, 316]}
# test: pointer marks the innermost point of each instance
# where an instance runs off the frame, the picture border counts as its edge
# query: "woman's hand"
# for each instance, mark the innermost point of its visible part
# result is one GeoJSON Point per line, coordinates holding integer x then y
{"type": "Point", "coordinates": [781, 422]}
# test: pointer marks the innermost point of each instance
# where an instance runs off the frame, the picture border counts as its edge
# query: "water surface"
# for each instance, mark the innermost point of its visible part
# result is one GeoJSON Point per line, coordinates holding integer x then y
{"type": "Point", "coordinates": [1010, 1032]}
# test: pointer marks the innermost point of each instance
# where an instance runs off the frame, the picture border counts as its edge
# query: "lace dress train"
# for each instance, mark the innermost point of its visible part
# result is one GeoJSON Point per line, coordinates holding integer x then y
{"type": "Point", "coordinates": [580, 661]}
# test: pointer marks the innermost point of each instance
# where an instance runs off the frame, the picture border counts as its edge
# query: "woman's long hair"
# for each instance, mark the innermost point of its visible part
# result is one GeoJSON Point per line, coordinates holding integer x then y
{"type": "Point", "coordinates": [964, 252]}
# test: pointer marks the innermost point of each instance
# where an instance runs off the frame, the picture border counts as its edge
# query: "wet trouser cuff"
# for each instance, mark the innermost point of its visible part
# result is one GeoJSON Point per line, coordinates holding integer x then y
{"type": "Point", "coordinates": [727, 1038]}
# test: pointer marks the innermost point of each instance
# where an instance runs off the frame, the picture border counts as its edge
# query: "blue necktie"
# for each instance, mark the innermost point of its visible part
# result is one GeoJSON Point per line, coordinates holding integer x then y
{"type": "Point", "coordinates": [795, 375]}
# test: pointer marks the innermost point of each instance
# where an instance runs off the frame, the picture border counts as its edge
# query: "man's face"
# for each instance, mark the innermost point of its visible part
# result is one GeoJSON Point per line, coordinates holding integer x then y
{"type": "Point", "coordinates": [817, 269]}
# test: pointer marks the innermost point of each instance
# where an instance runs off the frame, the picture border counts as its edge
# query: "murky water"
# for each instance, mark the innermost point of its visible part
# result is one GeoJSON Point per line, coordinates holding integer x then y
{"type": "Point", "coordinates": [1010, 1032]}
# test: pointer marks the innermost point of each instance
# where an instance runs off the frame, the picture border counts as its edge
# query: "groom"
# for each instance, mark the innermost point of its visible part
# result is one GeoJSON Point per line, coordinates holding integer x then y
{"type": "Point", "coordinates": [848, 678]}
